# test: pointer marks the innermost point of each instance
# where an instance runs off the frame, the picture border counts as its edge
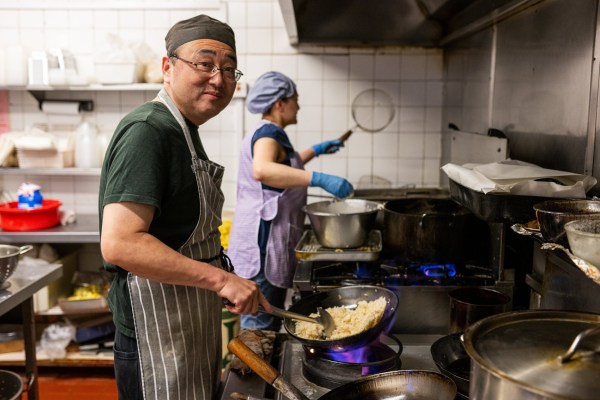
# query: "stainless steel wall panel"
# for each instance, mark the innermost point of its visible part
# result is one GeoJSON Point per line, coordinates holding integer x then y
{"type": "Point", "coordinates": [540, 65]}
{"type": "Point", "coordinates": [542, 82]}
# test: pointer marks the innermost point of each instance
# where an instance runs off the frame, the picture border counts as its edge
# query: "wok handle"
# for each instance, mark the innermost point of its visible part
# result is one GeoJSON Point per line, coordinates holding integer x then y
{"type": "Point", "coordinates": [264, 370]}
{"type": "Point", "coordinates": [253, 361]}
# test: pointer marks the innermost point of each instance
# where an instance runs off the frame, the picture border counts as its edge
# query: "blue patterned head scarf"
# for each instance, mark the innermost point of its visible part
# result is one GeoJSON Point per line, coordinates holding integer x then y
{"type": "Point", "coordinates": [268, 88]}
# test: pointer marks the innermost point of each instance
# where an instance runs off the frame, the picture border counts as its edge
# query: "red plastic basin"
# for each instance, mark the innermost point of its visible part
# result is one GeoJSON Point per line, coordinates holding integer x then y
{"type": "Point", "coordinates": [13, 218]}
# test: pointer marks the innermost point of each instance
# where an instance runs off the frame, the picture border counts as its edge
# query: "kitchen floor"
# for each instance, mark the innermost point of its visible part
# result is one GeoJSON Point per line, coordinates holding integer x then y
{"type": "Point", "coordinates": [65, 383]}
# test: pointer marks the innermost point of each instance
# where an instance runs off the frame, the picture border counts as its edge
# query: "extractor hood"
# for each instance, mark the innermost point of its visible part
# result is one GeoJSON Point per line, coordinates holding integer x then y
{"type": "Point", "coordinates": [421, 23]}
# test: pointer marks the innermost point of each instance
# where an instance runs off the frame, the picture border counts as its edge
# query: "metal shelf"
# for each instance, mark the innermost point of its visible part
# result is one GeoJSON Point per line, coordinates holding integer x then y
{"type": "Point", "coordinates": [51, 171]}
{"type": "Point", "coordinates": [39, 91]}
{"type": "Point", "coordinates": [96, 87]}
{"type": "Point", "coordinates": [84, 230]}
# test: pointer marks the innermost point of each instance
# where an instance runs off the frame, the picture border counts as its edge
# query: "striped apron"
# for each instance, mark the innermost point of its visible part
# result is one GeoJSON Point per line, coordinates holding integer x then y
{"type": "Point", "coordinates": [178, 328]}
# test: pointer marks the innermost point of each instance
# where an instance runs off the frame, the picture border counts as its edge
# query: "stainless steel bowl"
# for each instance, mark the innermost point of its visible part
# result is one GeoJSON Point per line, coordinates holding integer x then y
{"type": "Point", "coordinates": [342, 224]}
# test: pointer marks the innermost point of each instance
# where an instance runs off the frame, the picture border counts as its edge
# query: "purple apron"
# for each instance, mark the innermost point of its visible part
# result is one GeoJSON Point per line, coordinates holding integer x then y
{"type": "Point", "coordinates": [283, 209]}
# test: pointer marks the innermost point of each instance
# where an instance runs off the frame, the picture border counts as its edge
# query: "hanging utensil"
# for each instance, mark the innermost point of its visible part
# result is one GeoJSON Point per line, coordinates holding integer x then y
{"type": "Point", "coordinates": [372, 111]}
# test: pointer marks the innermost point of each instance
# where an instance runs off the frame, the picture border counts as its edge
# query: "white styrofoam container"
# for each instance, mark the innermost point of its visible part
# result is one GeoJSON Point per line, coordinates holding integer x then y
{"type": "Point", "coordinates": [111, 73]}
{"type": "Point", "coordinates": [61, 155]}
{"type": "Point", "coordinates": [47, 158]}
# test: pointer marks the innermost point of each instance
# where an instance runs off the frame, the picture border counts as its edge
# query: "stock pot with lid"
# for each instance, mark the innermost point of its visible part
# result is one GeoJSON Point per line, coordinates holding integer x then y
{"type": "Point", "coordinates": [517, 355]}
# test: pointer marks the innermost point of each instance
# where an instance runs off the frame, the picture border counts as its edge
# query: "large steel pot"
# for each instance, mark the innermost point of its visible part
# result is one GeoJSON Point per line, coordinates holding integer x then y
{"type": "Point", "coordinates": [342, 224]}
{"type": "Point", "coordinates": [346, 296]}
{"type": "Point", "coordinates": [470, 304]}
{"type": "Point", "coordinates": [515, 355]}
{"type": "Point", "coordinates": [425, 229]}
{"type": "Point", "coordinates": [552, 215]}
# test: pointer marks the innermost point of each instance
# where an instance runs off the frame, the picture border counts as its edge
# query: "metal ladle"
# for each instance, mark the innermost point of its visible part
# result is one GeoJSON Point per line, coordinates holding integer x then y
{"type": "Point", "coordinates": [324, 319]}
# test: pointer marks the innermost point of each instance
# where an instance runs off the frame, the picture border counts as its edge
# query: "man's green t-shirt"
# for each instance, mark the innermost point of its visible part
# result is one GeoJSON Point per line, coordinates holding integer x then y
{"type": "Point", "coordinates": [148, 162]}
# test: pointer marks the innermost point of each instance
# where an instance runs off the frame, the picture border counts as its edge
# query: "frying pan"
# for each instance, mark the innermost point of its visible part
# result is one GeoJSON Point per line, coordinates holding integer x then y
{"type": "Point", "coordinates": [452, 360]}
{"type": "Point", "coordinates": [406, 385]}
{"type": "Point", "coordinates": [346, 296]}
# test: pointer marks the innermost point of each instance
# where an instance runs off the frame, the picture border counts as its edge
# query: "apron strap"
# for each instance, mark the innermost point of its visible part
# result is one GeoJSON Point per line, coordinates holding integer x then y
{"type": "Point", "coordinates": [226, 263]}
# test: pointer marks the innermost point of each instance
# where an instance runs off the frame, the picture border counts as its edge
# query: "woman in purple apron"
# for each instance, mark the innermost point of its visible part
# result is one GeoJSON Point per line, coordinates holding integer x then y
{"type": "Point", "coordinates": [271, 191]}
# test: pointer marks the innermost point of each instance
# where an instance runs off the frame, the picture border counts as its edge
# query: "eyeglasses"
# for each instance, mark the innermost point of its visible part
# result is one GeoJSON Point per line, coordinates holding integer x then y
{"type": "Point", "coordinates": [229, 73]}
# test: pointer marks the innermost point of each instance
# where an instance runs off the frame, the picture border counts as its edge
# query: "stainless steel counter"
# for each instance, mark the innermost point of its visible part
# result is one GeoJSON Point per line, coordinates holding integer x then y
{"type": "Point", "coordinates": [84, 230]}
{"type": "Point", "coordinates": [19, 289]}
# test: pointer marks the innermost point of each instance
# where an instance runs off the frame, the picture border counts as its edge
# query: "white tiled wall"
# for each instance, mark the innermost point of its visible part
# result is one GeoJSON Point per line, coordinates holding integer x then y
{"type": "Point", "coordinates": [407, 152]}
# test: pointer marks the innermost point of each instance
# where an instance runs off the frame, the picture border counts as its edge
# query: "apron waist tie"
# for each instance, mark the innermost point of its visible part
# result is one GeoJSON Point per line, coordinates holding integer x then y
{"type": "Point", "coordinates": [226, 263]}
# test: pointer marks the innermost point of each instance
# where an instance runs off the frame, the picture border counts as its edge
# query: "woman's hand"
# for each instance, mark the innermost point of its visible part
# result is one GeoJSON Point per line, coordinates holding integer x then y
{"type": "Point", "coordinates": [327, 147]}
{"type": "Point", "coordinates": [339, 187]}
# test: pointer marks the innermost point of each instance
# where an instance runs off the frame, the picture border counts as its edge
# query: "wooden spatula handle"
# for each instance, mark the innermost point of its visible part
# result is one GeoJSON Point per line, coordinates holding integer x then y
{"type": "Point", "coordinates": [253, 361]}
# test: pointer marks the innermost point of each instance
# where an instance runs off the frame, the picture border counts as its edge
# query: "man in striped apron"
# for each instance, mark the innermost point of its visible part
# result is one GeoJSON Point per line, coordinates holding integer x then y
{"type": "Point", "coordinates": [160, 210]}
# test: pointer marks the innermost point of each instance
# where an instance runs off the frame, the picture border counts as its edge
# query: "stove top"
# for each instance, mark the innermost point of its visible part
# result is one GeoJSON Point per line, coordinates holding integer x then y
{"type": "Point", "coordinates": [415, 354]}
{"type": "Point", "coordinates": [323, 275]}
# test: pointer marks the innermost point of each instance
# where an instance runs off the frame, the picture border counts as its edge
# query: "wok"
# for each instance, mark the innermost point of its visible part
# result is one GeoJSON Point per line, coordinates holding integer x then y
{"type": "Point", "coordinates": [452, 360]}
{"type": "Point", "coordinates": [348, 297]}
{"type": "Point", "coordinates": [406, 385]}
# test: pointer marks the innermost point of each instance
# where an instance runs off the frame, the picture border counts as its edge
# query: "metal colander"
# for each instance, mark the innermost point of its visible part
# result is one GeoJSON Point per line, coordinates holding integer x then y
{"type": "Point", "coordinates": [9, 259]}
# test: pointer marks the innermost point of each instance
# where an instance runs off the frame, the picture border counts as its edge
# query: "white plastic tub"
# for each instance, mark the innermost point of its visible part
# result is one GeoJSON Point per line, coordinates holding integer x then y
{"type": "Point", "coordinates": [114, 73]}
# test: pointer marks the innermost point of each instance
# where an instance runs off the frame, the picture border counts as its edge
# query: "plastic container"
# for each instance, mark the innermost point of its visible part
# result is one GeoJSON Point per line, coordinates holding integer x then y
{"type": "Point", "coordinates": [13, 218]}
{"type": "Point", "coordinates": [87, 154]}
{"type": "Point", "coordinates": [114, 73]}
{"type": "Point", "coordinates": [84, 305]}
{"type": "Point", "coordinates": [30, 196]}
{"type": "Point", "coordinates": [44, 158]}
{"type": "Point", "coordinates": [584, 240]}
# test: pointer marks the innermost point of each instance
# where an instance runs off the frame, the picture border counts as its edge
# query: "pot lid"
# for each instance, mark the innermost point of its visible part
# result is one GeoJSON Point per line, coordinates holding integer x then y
{"type": "Point", "coordinates": [525, 348]}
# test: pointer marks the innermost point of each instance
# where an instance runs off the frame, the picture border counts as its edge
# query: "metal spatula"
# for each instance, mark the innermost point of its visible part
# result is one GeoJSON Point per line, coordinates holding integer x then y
{"type": "Point", "coordinates": [324, 319]}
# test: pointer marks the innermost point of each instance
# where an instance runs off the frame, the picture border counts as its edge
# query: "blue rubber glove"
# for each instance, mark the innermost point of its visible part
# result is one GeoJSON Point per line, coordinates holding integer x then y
{"type": "Point", "coordinates": [339, 187]}
{"type": "Point", "coordinates": [329, 147]}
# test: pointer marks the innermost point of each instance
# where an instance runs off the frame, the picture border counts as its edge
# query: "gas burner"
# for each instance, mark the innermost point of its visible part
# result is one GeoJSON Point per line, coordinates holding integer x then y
{"type": "Point", "coordinates": [418, 273]}
{"type": "Point", "coordinates": [345, 273]}
{"type": "Point", "coordinates": [316, 276]}
{"type": "Point", "coordinates": [332, 369]}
